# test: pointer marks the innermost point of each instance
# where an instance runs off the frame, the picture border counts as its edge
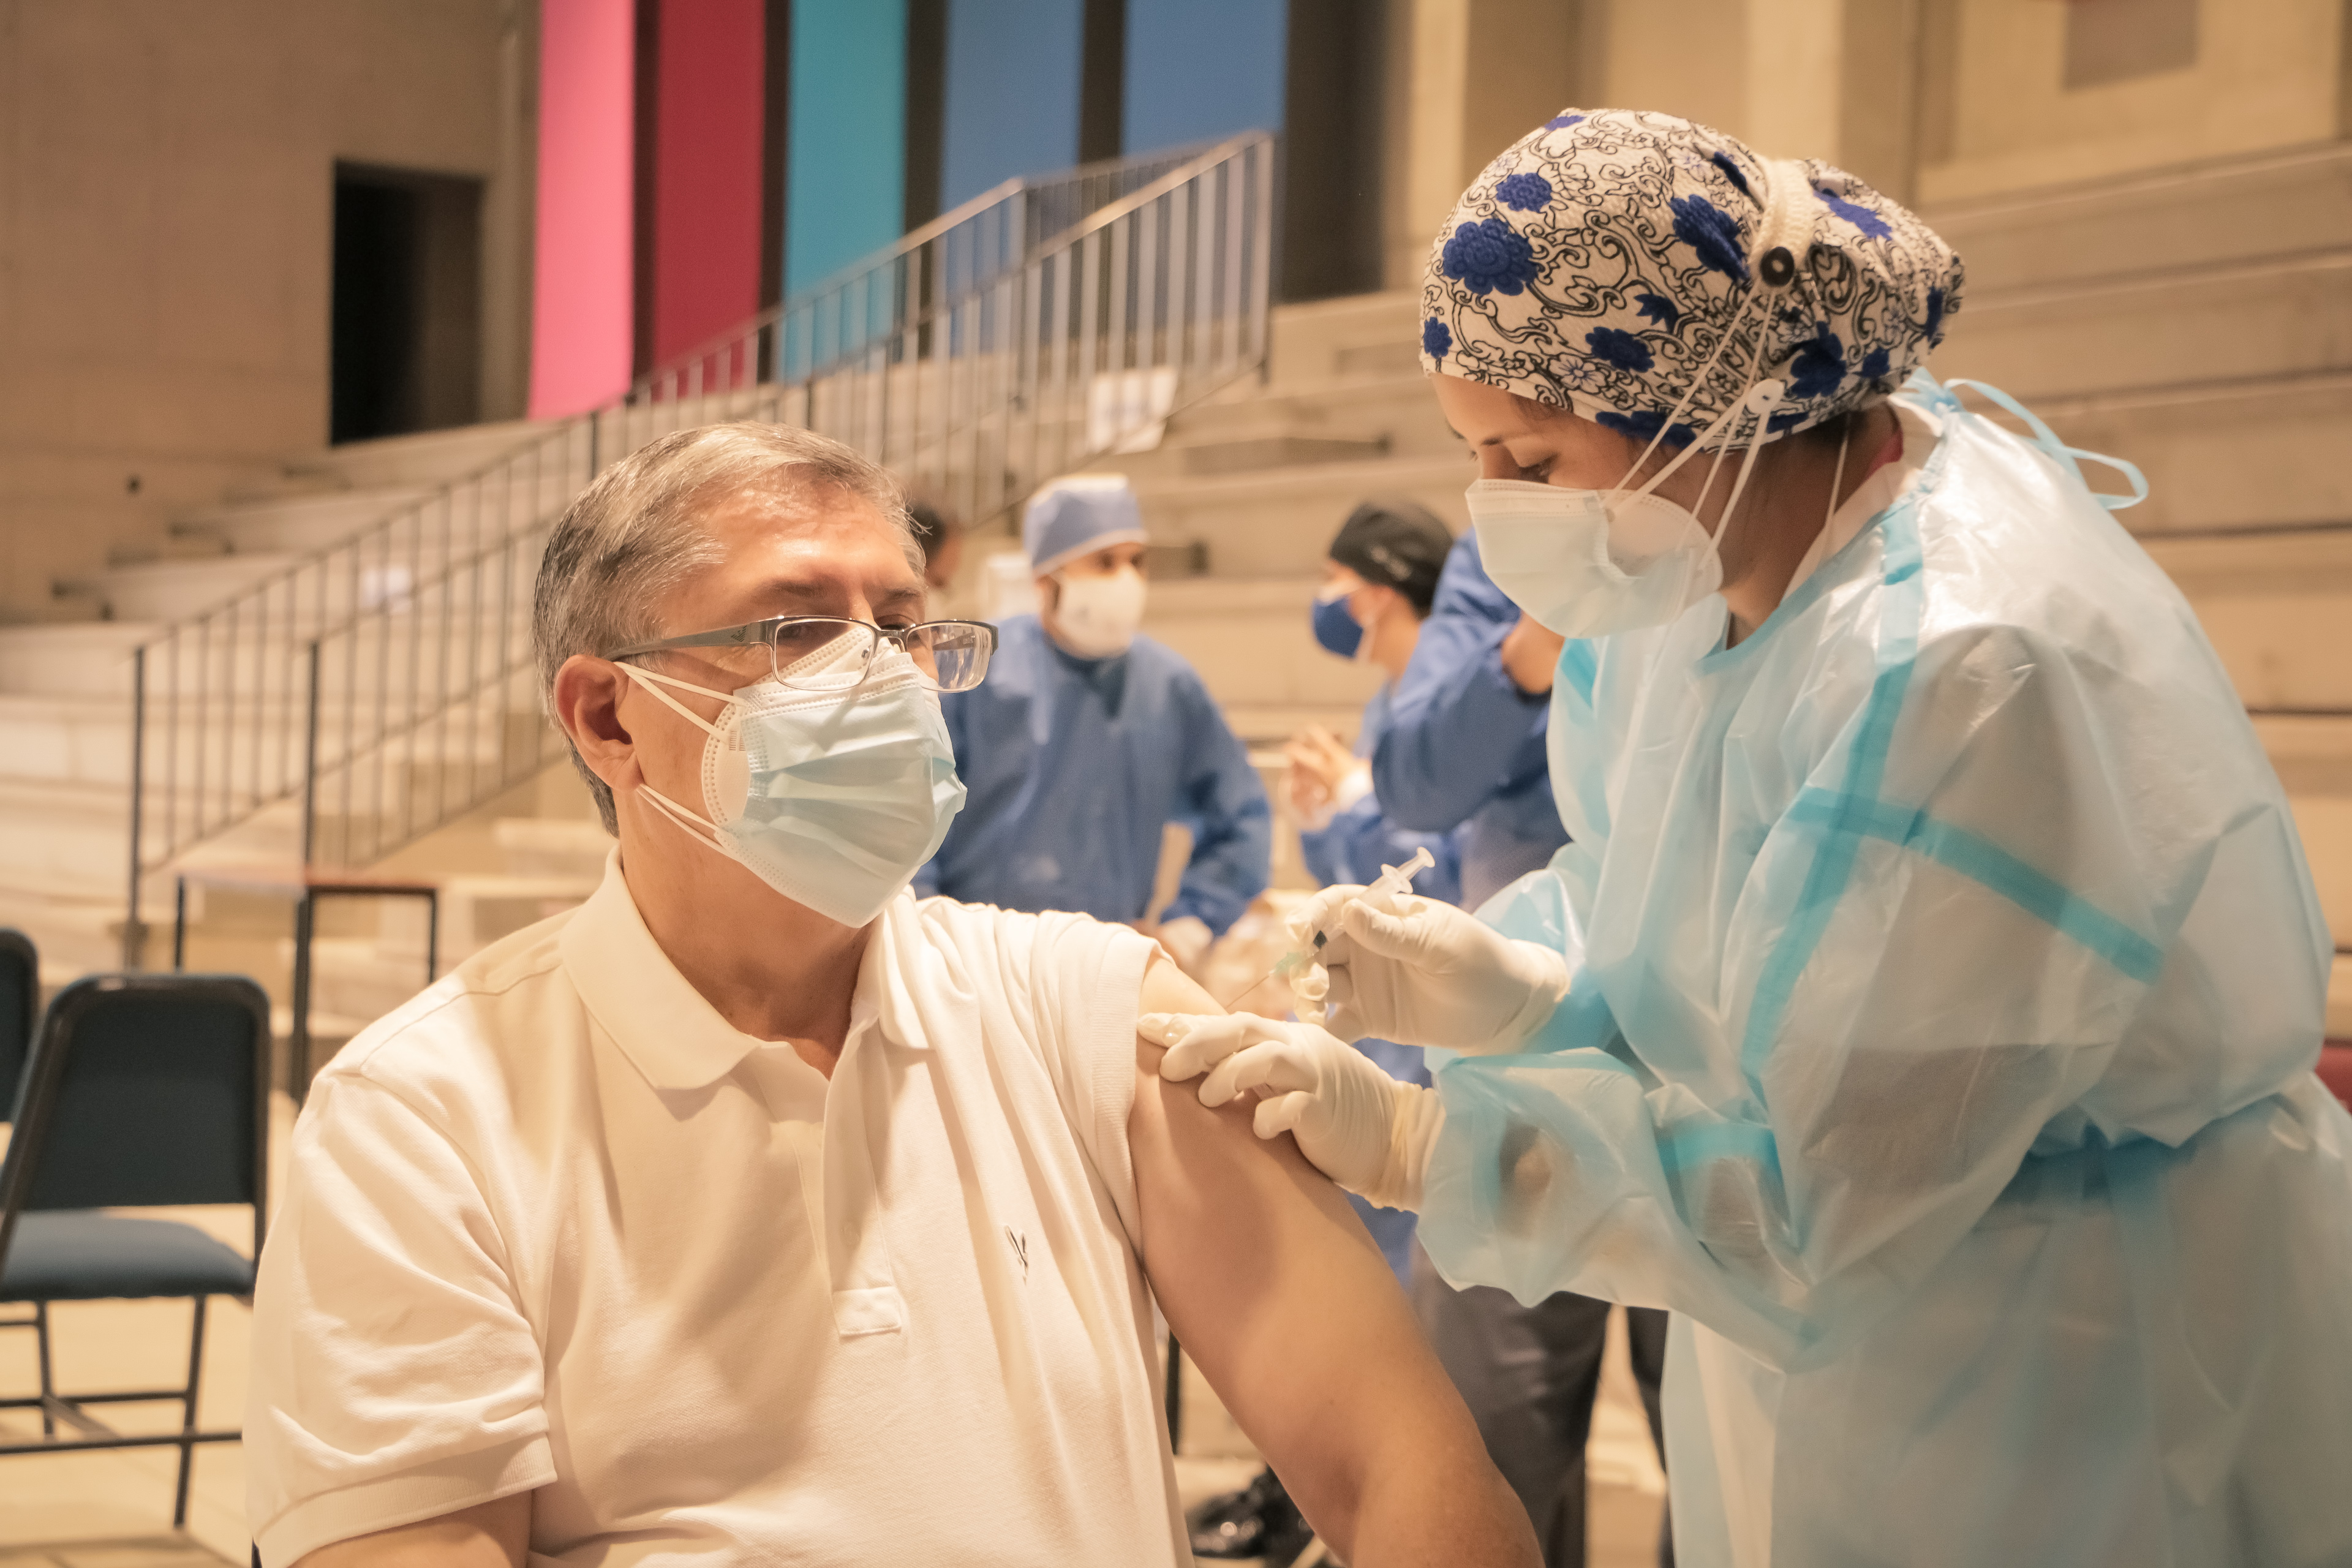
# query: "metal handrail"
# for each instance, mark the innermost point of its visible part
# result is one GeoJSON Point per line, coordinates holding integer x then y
{"type": "Point", "coordinates": [384, 685]}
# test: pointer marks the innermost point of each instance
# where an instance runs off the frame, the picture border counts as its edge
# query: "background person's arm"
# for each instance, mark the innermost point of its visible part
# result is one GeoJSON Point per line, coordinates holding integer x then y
{"type": "Point", "coordinates": [1291, 1313]}
{"type": "Point", "coordinates": [1459, 720]}
{"type": "Point", "coordinates": [488, 1535]}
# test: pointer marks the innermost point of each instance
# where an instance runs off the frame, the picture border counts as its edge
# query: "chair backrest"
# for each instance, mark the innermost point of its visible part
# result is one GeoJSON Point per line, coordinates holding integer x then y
{"type": "Point", "coordinates": [20, 1005]}
{"type": "Point", "coordinates": [144, 1090]}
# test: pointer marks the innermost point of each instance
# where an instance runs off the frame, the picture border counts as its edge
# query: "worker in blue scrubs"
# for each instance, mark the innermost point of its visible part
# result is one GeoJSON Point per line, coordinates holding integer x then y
{"type": "Point", "coordinates": [1088, 738]}
{"type": "Point", "coordinates": [1462, 750]}
{"type": "Point", "coordinates": [1380, 582]}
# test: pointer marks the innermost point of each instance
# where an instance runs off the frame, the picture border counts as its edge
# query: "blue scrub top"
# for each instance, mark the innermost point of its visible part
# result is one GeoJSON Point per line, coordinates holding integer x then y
{"type": "Point", "coordinates": [1464, 744]}
{"type": "Point", "coordinates": [1075, 765]}
{"type": "Point", "coordinates": [1363, 841]}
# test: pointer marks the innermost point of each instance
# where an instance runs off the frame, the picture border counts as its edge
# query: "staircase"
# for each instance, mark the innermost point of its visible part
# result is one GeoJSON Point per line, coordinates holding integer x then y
{"type": "Point", "coordinates": [331, 665]}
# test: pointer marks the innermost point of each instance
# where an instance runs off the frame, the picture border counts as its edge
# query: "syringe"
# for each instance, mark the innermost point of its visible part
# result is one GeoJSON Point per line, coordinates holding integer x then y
{"type": "Point", "coordinates": [1391, 883]}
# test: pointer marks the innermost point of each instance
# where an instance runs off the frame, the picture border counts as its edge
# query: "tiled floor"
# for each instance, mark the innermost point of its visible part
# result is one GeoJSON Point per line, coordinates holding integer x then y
{"type": "Point", "coordinates": [113, 1509]}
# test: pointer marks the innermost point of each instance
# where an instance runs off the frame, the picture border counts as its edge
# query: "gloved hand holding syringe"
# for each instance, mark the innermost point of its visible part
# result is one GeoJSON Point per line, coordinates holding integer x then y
{"type": "Point", "coordinates": [1393, 882]}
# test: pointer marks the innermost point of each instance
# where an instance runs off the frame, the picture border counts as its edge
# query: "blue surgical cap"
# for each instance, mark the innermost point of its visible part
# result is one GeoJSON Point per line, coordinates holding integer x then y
{"type": "Point", "coordinates": [1073, 517]}
{"type": "Point", "coordinates": [1599, 262]}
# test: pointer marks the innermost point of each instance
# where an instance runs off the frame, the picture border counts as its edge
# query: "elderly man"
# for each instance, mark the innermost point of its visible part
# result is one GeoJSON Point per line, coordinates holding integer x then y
{"type": "Point", "coordinates": [755, 1212]}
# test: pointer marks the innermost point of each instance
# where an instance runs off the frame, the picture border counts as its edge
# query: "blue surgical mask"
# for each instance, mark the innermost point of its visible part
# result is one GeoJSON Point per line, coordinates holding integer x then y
{"type": "Point", "coordinates": [833, 797]}
{"type": "Point", "coordinates": [1335, 629]}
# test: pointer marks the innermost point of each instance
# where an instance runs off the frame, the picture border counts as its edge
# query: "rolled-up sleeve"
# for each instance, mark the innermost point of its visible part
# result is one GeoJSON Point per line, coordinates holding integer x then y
{"type": "Point", "coordinates": [395, 1376]}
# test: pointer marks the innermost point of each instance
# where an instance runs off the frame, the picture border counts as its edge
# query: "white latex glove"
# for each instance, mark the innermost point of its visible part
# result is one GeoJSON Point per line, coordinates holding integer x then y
{"type": "Point", "coordinates": [1187, 939]}
{"type": "Point", "coordinates": [1429, 974]}
{"type": "Point", "coordinates": [1358, 1126]}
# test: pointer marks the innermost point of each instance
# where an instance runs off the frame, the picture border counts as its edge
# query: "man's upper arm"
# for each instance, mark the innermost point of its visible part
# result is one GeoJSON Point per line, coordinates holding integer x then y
{"type": "Point", "coordinates": [393, 1367]}
{"type": "Point", "coordinates": [495, 1534]}
{"type": "Point", "coordinates": [1277, 1292]}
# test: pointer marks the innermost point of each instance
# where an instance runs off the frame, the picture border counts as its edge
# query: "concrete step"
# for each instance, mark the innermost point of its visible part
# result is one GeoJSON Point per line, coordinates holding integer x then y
{"type": "Point", "coordinates": [1251, 641]}
{"type": "Point", "coordinates": [2221, 454]}
{"type": "Point", "coordinates": [1399, 409]}
{"type": "Point", "coordinates": [1278, 523]}
{"type": "Point", "coordinates": [296, 522]}
{"type": "Point", "coordinates": [1360, 335]}
{"type": "Point", "coordinates": [2181, 326]}
{"type": "Point", "coordinates": [2230, 210]}
{"type": "Point", "coordinates": [2277, 606]}
{"type": "Point", "coordinates": [176, 590]}
{"type": "Point", "coordinates": [427, 458]}
{"type": "Point", "coordinates": [85, 658]}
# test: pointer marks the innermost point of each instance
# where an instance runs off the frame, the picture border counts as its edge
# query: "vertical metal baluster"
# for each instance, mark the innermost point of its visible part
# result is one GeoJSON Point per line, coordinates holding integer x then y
{"type": "Point", "coordinates": [1261, 269]}
{"type": "Point", "coordinates": [1147, 289]}
{"type": "Point", "coordinates": [348, 761]}
{"type": "Point", "coordinates": [1089, 365]}
{"type": "Point", "coordinates": [170, 802]}
{"type": "Point", "coordinates": [1115, 317]}
{"type": "Point", "coordinates": [133, 948]}
{"type": "Point", "coordinates": [1180, 203]}
{"type": "Point", "coordinates": [1234, 219]}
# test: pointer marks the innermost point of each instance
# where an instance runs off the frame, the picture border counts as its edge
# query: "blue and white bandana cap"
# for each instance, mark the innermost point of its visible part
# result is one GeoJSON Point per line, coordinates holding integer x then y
{"type": "Point", "coordinates": [1635, 269]}
{"type": "Point", "coordinates": [1077, 516]}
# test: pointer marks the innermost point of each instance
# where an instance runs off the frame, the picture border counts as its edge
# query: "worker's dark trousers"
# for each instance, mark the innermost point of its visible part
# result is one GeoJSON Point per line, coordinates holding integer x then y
{"type": "Point", "coordinates": [1529, 1375]}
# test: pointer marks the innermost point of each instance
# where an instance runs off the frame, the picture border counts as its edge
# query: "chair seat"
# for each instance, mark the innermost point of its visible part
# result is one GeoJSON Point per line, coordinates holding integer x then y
{"type": "Point", "coordinates": [78, 1255]}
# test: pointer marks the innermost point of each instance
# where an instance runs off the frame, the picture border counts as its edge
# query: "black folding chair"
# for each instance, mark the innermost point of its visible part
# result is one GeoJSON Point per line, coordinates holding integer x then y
{"type": "Point", "coordinates": [142, 1090]}
{"type": "Point", "coordinates": [20, 1005]}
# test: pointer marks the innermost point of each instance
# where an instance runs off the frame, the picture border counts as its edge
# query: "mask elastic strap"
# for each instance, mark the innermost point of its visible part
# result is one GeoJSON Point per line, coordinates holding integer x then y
{"type": "Point", "coordinates": [1761, 400]}
{"type": "Point", "coordinates": [694, 828]}
{"type": "Point", "coordinates": [647, 678]}
{"type": "Point", "coordinates": [1730, 333]}
{"type": "Point", "coordinates": [1778, 226]}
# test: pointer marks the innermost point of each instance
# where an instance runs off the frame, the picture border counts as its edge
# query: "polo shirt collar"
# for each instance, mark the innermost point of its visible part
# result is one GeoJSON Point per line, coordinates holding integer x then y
{"type": "Point", "coordinates": [665, 1027]}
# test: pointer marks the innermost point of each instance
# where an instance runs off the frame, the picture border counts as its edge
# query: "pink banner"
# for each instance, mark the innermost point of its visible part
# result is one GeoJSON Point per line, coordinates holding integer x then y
{"type": "Point", "coordinates": [581, 295]}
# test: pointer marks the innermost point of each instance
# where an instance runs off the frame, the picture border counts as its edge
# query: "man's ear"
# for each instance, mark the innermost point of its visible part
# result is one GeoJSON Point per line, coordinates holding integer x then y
{"type": "Point", "coordinates": [587, 703]}
{"type": "Point", "coordinates": [1049, 594]}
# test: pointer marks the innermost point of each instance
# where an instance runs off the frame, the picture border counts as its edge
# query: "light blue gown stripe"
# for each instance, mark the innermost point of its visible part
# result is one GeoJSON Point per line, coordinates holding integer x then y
{"type": "Point", "coordinates": [1984, 862]}
{"type": "Point", "coordinates": [1826, 878]}
{"type": "Point", "coordinates": [1580, 666]}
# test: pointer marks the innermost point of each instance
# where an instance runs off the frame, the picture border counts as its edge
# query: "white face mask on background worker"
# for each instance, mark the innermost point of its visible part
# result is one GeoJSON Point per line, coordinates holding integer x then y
{"type": "Point", "coordinates": [1094, 606]}
{"type": "Point", "coordinates": [1085, 540]}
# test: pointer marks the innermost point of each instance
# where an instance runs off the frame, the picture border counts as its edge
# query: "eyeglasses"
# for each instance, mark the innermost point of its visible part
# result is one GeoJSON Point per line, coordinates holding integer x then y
{"type": "Point", "coordinates": [825, 653]}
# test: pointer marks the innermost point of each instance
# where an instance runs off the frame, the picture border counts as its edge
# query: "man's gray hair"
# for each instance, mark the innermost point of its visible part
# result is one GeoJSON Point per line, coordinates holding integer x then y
{"type": "Point", "coordinates": [634, 534]}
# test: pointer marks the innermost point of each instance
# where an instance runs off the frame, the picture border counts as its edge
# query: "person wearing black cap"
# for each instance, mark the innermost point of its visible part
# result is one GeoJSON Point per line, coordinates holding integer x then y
{"type": "Point", "coordinates": [1377, 583]}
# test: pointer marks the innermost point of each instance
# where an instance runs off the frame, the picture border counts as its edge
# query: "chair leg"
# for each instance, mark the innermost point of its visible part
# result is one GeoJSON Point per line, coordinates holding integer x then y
{"type": "Point", "coordinates": [48, 1381]}
{"type": "Point", "coordinates": [188, 1415]}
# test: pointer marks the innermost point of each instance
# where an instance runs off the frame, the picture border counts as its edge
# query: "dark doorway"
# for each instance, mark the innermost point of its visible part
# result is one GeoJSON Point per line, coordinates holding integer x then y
{"type": "Point", "coordinates": [406, 333]}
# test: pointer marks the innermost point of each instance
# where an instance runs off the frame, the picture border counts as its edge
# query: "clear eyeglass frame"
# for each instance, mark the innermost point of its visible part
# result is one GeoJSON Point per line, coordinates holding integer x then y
{"type": "Point", "coordinates": [833, 652]}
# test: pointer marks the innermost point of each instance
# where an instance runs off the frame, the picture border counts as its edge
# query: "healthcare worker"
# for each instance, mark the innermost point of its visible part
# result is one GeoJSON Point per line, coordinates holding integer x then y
{"type": "Point", "coordinates": [1380, 580]}
{"type": "Point", "coordinates": [1925, 1005]}
{"type": "Point", "coordinates": [1088, 738]}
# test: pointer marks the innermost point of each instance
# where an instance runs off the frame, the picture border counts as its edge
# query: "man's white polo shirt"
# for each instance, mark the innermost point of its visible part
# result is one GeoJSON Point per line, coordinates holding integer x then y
{"type": "Point", "coordinates": [555, 1225]}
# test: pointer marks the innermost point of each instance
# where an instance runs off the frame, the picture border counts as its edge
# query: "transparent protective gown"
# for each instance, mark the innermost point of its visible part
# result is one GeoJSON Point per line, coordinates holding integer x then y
{"type": "Point", "coordinates": [1948, 982]}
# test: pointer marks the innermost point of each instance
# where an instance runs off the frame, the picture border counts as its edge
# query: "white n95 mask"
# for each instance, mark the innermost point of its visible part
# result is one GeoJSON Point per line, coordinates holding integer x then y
{"type": "Point", "coordinates": [1584, 564]}
{"type": "Point", "coordinates": [1098, 616]}
{"type": "Point", "coordinates": [1588, 562]}
{"type": "Point", "coordinates": [835, 798]}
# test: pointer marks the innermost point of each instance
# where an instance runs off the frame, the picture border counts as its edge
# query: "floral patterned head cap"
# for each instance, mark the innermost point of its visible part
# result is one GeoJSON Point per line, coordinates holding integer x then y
{"type": "Point", "coordinates": [1611, 261]}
